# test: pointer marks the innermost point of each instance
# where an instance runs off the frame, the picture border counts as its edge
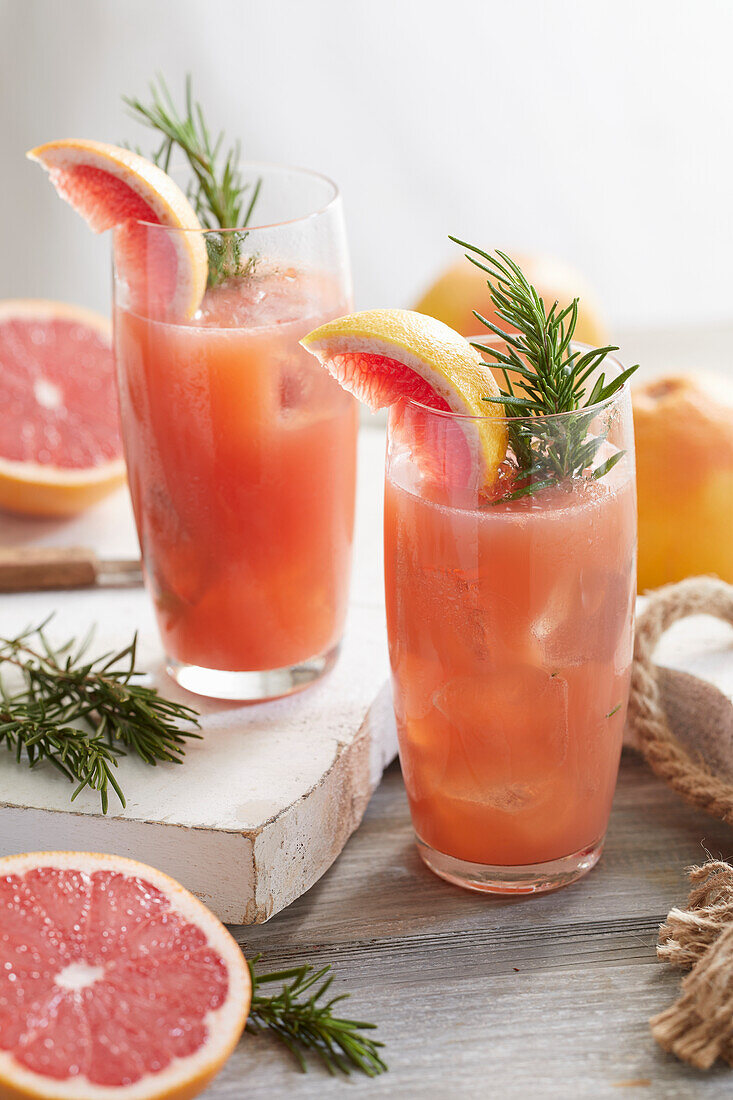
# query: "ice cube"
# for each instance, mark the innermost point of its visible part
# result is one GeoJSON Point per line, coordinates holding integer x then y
{"type": "Point", "coordinates": [584, 619]}
{"type": "Point", "coordinates": [508, 726]}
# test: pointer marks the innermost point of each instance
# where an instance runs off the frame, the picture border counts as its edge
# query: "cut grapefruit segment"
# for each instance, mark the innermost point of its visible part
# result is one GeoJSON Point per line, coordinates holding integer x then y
{"type": "Point", "coordinates": [384, 356]}
{"type": "Point", "coordinates": [60, 444]}
{"type": "Point", "coordinates": [115, 982]}
{"type": "Point", "coordinates": [111, 187]}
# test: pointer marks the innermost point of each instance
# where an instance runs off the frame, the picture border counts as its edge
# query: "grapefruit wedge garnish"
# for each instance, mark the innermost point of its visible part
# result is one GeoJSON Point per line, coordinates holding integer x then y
{"type": "Point", "coordinates": [115, 982]}
{"type": "Point", "coordinates": [111, 187]}
{"type": "Point", "coordinates": [60, 445]}
{"type": "Point", "coordinates": [385, 356]}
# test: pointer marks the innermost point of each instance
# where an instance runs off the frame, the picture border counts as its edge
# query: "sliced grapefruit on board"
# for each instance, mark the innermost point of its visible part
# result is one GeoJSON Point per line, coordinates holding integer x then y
{"type": "Point", "coordinates": [115, 982]}
{"type": "Point", "coordinates": [60, 444]}
{"type": "Point", "coordinates": [389, 356]}
{"type": "Point", "coordinates": [111, 187]}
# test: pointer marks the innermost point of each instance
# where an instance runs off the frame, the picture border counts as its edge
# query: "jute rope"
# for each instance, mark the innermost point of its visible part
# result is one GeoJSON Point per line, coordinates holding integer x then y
{"type": "Point", "coordinates": [698, 1027]}
{"type": "Point", "coordinates": [657, 743]}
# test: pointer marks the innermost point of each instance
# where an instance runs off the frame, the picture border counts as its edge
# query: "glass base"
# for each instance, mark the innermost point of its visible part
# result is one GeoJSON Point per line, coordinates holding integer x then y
{"type": "Point", "coordinates": [534, 878]}
{"type": "Point", "coordinates": [252, 687]}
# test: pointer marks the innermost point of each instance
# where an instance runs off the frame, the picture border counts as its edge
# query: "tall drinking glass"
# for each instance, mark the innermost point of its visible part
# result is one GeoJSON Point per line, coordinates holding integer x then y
{"type": "Point", "coordinates": [511, 632]}
{"type": "Point", "coordinates": [241, 450]}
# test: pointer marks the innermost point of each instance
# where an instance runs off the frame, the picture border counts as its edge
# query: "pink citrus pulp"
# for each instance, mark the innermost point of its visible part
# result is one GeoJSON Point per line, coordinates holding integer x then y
{"type": "Point", "coordinates": [387, 356]}
{"type": "Point", "coordinates": [60, 443]}
{"type": "Point", "coordinates": [114, 981]}
{"type": "Point", "coordinates": [114, 188]}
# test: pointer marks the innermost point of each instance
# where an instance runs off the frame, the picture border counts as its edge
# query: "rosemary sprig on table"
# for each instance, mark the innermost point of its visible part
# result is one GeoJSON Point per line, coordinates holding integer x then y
{"type": "Point", "coordinates": [83, 714]}
{"type": "Point", "coordinates": [307, 1025]}
{"type": "Point", "coordinates": [218, 193]}
{"type": "Point", "coordinates": [553, 378]}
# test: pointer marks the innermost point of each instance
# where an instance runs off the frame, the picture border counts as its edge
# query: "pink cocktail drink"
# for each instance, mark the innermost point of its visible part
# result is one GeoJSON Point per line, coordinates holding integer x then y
{"type": "Point", "coordinates": [510, 555]}
{"type": "Point", "coordinates": [511, 636]}
{"type": "Point", "coordinates": [241, 451]}
{"type": "Point", "coordinates": [241, 458]}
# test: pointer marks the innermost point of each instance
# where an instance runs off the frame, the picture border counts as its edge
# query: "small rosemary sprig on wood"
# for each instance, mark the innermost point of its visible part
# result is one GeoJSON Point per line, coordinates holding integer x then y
{"type": "Point", "coordinates": [307, 1025]}
{"type": "Point", "coordinates": [553, 378]}
{"type": "Point", "coordinates": [82, 715]}
{"type": "Point", "coordinates": [219, 195]}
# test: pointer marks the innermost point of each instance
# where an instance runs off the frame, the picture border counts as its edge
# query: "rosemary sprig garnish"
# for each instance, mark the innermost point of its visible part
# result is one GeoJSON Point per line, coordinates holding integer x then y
{"type": "Point", "coordinates": [82, 715]}
{"type": "Point", "coordinates": [553, 378]}
{"type": "Point", "coordinates": [219, 195]}
{"type": "Point", "coordinates": [307, 1025]}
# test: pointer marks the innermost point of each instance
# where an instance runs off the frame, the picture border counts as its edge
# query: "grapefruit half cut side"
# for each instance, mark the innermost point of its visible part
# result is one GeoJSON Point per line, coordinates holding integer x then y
{"type": "Point", "coordinates": [386, 357]}
{"type": "Point", "coordinates": [165, 273]}
{"type": "Point", "coordinates": [60, 444]}
{"type": "Point", "coordinates": [116, 983]}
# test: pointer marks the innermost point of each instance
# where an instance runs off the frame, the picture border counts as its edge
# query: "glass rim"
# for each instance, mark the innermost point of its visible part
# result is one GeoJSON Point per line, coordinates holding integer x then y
{"type": "Point", "coordinates": [260, 165]}
{"type": "Point", "coordinates": [596, 408]}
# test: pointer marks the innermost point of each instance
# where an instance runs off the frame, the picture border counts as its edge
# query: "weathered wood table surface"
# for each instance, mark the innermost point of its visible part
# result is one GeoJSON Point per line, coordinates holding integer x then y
{"type": "Point", "coordinates": [542, 997]}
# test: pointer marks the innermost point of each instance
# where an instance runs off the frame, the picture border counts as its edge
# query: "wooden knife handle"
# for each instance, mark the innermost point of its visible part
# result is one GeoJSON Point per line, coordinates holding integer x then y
{"type": "Point", "coordinates": [28, 568]}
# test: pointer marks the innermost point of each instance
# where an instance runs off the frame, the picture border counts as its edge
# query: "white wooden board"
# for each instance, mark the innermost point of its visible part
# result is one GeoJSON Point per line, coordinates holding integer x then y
{"type": "Point", "coordinates": [265, 803]}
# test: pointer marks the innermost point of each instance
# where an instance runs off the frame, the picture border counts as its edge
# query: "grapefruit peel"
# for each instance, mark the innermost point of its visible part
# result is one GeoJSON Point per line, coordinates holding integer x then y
{"type": "Point", "coordinates": [382, 356]}
{"type": "Point", "coordinates": [183, 1077]}
{"type": "Point", "coordinates": [112, 187]}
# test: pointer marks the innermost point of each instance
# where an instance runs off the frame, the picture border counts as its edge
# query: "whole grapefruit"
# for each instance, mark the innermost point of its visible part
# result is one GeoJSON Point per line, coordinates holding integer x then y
{"type": "Point", "coordinates": [684, 460]}
{"type": "Point", "coordinates": [461, 288]}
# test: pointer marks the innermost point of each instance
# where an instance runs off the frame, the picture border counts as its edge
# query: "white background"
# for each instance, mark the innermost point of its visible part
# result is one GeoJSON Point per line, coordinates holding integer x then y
{"type": "Point", "coordinates": [600, 131]}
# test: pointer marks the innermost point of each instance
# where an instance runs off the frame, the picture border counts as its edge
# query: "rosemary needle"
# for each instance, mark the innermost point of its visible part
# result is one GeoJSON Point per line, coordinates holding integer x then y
{"type": "Point", "coordinates": [307, 1024]}
{"type": "Point", "coordinates": [549, 376]}
{"type": "Point", "coordinates": [218, 192]}
{"type": "Point", "coordinates": [83, 715]}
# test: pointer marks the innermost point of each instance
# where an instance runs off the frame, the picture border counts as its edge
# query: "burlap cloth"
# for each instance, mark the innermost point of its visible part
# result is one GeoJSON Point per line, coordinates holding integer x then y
{"type": "Point", "coordinates": [694, 755]}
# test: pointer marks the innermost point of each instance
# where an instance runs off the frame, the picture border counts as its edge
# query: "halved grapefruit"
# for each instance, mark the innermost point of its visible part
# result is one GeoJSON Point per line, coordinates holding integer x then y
{"type": "Point", "coordinates": [60, 445]}
{"type": "Point", "coordinates": [384, 356]}
{"type": "Point", "coordinates": [111, 187]}
{"type": "Point", "coordinates": [115, 982]}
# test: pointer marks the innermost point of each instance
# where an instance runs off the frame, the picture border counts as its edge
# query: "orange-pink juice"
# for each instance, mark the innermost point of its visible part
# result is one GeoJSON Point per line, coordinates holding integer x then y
{"type": "Point", "coordinates": [241, 456]}
{"type": "Point", "coordinates": [511, 642]}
